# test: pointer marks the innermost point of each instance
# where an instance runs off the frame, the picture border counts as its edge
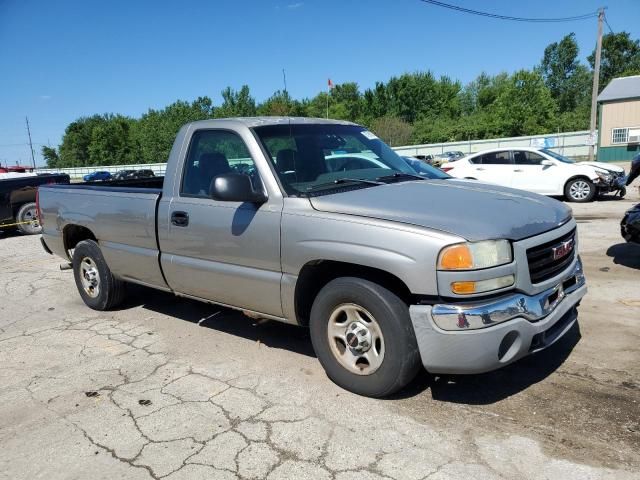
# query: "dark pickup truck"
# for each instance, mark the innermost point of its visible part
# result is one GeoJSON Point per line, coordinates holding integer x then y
{"type": "Point", "coordinates": [18, 197]}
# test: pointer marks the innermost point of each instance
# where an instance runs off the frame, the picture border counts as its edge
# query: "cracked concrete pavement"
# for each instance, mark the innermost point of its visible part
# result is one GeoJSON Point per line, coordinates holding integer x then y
{"type": "Point", "coordinates": [169, 388]}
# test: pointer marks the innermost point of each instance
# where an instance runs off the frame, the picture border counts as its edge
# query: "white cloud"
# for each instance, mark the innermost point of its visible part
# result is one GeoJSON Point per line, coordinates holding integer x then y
{"type": "Point", "coordinates": [45, 97]}
{"type": "Point", "coordinates": [295, 5]}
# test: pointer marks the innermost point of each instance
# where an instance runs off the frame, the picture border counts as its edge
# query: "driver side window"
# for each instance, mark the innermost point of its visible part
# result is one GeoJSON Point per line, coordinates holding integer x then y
{"type": "Point", "coordinates": [527, 158]}
{"type": "Point", "coordinates": [213, 153]}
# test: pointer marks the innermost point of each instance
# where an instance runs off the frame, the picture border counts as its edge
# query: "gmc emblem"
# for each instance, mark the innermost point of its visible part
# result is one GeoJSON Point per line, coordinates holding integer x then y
{"type": "Point", "coordinates": [562, 250]}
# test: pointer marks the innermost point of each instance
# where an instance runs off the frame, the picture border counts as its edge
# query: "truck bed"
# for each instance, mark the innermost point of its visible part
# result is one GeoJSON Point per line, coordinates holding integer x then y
{"type": "Point", "coordinates": [153, 183]}
{"type": "Point", "coordinates": [121, 214]}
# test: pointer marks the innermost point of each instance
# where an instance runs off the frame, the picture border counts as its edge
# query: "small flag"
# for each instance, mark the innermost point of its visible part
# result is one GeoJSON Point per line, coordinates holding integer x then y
{"type": "Point", "coordinates": [330, 83]}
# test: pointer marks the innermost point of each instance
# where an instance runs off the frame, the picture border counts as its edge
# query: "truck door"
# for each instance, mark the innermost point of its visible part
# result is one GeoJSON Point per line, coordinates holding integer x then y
{"type": "Point", "coordinates": [227, 252]}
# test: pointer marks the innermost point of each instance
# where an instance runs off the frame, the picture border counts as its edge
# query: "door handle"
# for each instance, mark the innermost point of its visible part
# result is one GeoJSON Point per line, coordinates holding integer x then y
{"type": "Point", "coordinates": [180, 219]}
{"type": "Point", "coordinates": [518, 170]}
{"type": "Point", "coordinates": [480, 169]}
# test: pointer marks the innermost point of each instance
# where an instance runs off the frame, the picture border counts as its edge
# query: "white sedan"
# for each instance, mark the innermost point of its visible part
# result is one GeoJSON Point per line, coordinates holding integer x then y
{"type": "Point", "coordinates": [541, 171]}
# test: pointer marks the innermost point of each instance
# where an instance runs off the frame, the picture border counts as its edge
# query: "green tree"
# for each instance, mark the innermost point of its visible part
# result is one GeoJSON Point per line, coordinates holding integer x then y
{"type": "Point", "coordinates": [51, 156]}
{"type": "Point", "coordinates": [281, 104]}
{"type": "Point", "coordinates": [620, 57]}
{"type": "Point", "coordinates": [74, 149]}
{"type": "Point", "coordinates": [156, 130]}
{"type": "Point", "coordinates": [347, 101]}
{"type": "Point", "coordinates": [236, 103]}
{"type": "Point", "coordinates": [525, 106]}
{"type": "Point", "coordinates": [392, 130]}
{"type": "Point", "coordinates": [113, 142]}
{"type": "Point", "coordinates": [567, 80]}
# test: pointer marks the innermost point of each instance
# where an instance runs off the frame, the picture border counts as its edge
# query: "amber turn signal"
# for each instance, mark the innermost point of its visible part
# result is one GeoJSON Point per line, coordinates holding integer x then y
{"type": "Point", "coordinates": [463, 288]}
{"type": "Point", "coordinates": [456, 257]}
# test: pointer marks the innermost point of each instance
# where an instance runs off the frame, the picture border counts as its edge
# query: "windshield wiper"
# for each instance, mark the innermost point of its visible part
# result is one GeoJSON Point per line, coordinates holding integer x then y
{"type": "Point", "coordinates": [339, 181]}
{"type": "Point", "coordinates": [400, 175]}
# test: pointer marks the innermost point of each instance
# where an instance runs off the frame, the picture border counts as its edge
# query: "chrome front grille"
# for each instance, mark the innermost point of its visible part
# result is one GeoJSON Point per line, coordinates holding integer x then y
{"type": "Point", "coordinates": [551, 258]}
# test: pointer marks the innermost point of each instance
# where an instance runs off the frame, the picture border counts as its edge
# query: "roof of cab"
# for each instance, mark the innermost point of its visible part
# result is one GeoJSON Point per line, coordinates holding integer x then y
{"type": "Point", "coordinates": [265, 121]}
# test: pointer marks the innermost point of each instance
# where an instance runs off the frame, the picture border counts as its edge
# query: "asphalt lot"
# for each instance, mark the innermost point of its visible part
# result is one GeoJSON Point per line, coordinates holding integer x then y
{"type": "Point", "coordinates": [170, 387]}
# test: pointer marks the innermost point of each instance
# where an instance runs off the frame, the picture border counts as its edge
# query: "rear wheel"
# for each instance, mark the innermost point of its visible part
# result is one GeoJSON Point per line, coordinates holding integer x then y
{"type": "Point", "coordinates": [97, 286]}
{"type": "Point", "coordinates": [580, 190]}
{"type": "Point", "coordinates": [363, 337]}
{"type": "Point", "coordinates": [27, 219]}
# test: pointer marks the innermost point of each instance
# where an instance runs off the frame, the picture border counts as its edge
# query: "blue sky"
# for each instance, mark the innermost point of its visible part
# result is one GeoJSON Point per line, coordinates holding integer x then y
{"type": "Point", "coordinates": [70, 58]}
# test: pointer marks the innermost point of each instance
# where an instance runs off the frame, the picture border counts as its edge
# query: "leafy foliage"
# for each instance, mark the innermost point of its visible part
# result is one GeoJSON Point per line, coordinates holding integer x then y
{"type": "Point", "coordinates": [413, 107]}
{"type": "Point", "coordinates": [393, 130]}
{"type": "Point", "coordinates": [620, 57]}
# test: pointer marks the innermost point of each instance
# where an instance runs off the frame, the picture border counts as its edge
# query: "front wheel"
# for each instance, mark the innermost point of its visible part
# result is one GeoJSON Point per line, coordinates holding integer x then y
{"type": "Point", "coordinates": [27, 219]}
{"type": "Point", "coordinates": [363, 337]}
{"type": "Point", "coordinates": [97, 286]}
{"type": "Point", "coordinates": [580, 190]}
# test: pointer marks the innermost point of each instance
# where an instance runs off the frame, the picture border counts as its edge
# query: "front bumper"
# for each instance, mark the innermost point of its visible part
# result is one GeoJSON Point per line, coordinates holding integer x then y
{"type": "Point", "coordinates": [616, 183]}
{"type": "Point", "coordinates": [483, 337]}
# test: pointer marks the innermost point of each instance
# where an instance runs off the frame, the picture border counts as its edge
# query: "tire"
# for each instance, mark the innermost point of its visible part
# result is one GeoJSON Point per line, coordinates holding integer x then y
{"type": "Point", "coordinates": [97, 286]}
{"type": "Point", "coordinates": [580, 190]}
{"type": "Point", "coordinates": [365, 314]}
{"type": "Point", "coordinates": [28, 213]}
{"type": "Point", "coordinates": [622, 192]}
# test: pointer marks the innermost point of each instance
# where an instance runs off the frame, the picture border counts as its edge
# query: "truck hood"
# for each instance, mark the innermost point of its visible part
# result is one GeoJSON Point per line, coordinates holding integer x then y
{"type": "Point", "coordinates": [468, 209]}
{"type": "Point", "coordinates": [603, 166]}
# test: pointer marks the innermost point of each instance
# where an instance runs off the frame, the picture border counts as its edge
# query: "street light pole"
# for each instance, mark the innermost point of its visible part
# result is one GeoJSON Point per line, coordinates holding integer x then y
{"type": "Point", "coordinates": [594, 92]}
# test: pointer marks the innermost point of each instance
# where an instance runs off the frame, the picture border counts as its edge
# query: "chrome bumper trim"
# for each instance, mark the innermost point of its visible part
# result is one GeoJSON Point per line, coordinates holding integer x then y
{"type": "Point", "coordinates": [483, 315]}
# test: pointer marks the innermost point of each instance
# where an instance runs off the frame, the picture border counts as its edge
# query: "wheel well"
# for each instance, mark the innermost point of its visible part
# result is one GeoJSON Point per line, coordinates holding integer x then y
{"type": "Point", "coordinates": [74, 234]}
{"type": "Point", "coordinates": [316, 274]}
{"type": "Point", "coordinates": [575, 177]}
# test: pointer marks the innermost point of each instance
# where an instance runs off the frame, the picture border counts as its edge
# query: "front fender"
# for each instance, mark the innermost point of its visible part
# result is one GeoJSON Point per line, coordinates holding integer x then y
{"type": "Point", "coordinates": [409, 253]}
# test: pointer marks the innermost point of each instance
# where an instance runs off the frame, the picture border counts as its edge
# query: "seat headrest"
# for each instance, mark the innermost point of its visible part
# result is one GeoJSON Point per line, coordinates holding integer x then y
{"type": "Point", "coordinates": [286, 160]}
{"type": "Point", "coordinates": [215, 161]}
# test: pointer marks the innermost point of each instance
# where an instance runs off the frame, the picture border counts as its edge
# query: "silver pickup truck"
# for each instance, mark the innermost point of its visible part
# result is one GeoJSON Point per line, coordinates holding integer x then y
{"type": "Point", "coordinates": [319, 223]}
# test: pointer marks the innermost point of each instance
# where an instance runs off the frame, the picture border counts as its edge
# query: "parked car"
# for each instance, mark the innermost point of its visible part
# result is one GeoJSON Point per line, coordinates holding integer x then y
{"type": "Point", "coordinates": [540, 171]}
{"type": "Point", "coordinates": [144, 173]}
{"type": "Point", "coordinates": [425, 170]}
{"type": "Point", "coordinates": [387, 269]}
{"type": "Point", "coordinates": [18, 197]}
{"type": "Point", "coordinates": [425, 158]}
{"type": "Point", "coordinates": [99, 176]}
{"type": "Point", "coordinates": [122, 175]}
{"type": "Point", "coordinates": [630, 225]}
{"type": "Point", "coordinates": [453, 155]}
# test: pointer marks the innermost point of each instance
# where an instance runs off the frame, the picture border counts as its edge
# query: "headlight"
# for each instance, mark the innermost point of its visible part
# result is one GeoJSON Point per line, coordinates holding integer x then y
{"type": "Point", "coordinates": [605, 177]}
{"type": "Point", "coordinates": [475, 255]}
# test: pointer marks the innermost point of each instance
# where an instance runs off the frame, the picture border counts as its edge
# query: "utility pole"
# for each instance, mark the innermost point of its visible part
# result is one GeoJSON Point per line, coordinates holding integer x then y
{"type": "Point", "coordinates": [33, 158]}
{"type": "Point", "coordinates": [596, 79]}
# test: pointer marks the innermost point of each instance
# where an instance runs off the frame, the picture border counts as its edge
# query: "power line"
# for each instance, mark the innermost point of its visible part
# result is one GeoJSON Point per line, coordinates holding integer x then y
{"type": "Point", "coordinates": [607, 23]}
{"type": "Point", "coordinates": [506, 17]}
{"type": "Point", "coordinates": [20, 144]}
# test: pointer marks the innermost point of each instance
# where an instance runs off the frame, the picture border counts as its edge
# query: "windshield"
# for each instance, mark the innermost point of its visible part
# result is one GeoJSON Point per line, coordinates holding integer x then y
{"type": "Point", "coordinates": [321, 158]}
{"type": "Point", "coordinates": [557, 156]}
{"type": "Point", "coordinates": [425, 170]}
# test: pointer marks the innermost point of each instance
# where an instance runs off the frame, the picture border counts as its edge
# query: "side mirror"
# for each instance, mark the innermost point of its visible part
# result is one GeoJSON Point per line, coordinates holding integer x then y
{"type": "Point", "coordinates": [235, 187]}
{"type": "Point", "coordinates": [547, 163]}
